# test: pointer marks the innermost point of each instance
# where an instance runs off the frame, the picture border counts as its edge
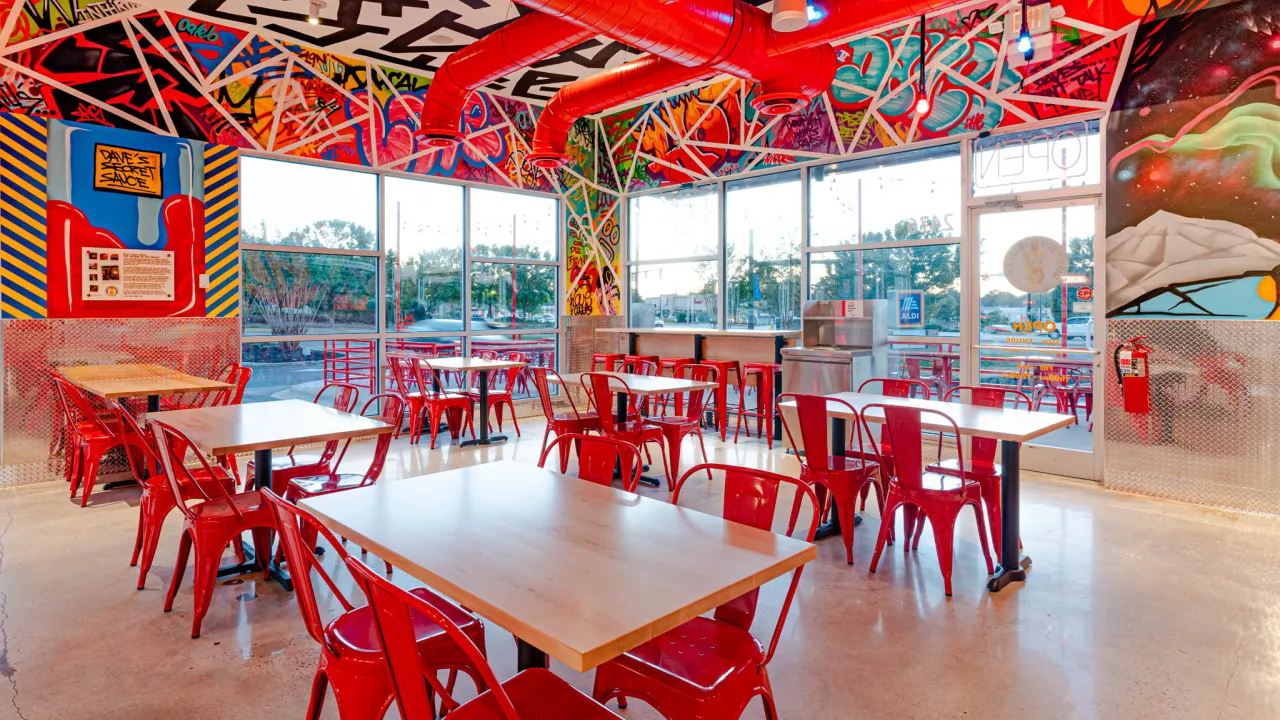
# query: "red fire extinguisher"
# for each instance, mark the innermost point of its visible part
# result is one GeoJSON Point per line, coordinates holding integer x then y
{"type": "Point", "coordinates": [1131, 369]}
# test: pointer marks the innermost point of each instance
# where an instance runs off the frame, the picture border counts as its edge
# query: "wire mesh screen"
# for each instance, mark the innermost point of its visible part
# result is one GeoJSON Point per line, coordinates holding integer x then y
{"type": "Point", "coordinates": [35, 440]}
{"type": "Point", "coordinates": [1210, 437]}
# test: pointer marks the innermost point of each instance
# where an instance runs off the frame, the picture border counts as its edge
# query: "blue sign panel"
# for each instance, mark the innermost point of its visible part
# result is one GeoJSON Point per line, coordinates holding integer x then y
{"type": "Point", "coordinates": [910, 308]}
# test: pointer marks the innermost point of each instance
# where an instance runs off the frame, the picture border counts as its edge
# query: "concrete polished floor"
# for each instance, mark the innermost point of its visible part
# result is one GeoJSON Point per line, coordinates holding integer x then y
{"type": "Point", "coordinates": [1135, 608]}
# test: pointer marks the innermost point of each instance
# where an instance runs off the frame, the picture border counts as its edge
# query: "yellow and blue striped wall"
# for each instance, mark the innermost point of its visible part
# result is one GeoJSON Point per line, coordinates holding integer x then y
{"type": "Point", "coordinates": [222, 230]}
{"type": "Point", "coordinates": [24, 142]}
{"type": "Point", "coordinates": [23, 250]}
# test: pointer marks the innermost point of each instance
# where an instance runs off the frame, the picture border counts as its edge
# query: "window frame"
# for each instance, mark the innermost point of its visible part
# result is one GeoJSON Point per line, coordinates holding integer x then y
{"type": "Point", "coordinates": [382, 336]}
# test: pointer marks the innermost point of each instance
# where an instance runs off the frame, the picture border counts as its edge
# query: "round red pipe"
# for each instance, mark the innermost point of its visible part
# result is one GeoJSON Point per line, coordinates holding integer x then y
{"type": "Point", "coordinates": [515, 45]}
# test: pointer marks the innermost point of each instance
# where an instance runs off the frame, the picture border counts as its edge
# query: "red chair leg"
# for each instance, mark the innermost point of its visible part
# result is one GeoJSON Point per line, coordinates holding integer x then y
{"type": "Point", "coordinates": [92, 459]}
{"type": "Point", "coordinates": [698, 431]}
{"type": "Point", "coordinates": [150, 523]}
{"type": "Point", "coordinates": [892, 503]}
{"type": "Point", "coordinates": [944, 531]}
{"type": "Point", "coordinates": [433, 424]}
{"type": "Point", "coordinates": [319, 686]}
{"type": "Point", "coordinates": [179, 568]}
{"type": "Point", "coordinates": [982, 538]}
{"type": "Point", "coordinates": [514, 421]}
{"type": "Point", "coordinates": [672, 437]}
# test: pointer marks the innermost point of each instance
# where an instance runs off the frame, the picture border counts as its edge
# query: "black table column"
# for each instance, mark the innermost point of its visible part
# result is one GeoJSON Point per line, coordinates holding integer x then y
{"type": "Point", "coordinates": [485, 438]}
{"type": "Point", "coordinates": [1012, 568]}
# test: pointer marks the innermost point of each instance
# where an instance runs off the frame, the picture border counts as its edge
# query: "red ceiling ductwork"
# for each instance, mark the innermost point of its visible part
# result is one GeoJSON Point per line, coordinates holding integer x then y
{"type": "Point", "coordinates": [708, 37]}
{"type": "Point", "coordinates": [518, 44]}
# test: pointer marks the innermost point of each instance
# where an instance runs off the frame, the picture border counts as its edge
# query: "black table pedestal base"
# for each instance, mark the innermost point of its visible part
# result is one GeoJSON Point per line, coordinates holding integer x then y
{"type": "Point", "coordinates": [485, 438]}
{"type": "Point", "coordinates": [528, 656]}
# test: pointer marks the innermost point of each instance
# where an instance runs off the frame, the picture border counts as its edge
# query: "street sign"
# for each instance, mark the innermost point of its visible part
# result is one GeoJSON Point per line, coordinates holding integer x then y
{"type": "Point", "coordinates": [1084, 293]}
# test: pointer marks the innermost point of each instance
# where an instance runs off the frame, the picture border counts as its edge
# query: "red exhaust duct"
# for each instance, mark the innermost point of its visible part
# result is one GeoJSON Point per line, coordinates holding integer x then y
{"type": "Point", "coordinates": [728, 36]}
{"type": "Point", "coordinates": [636, 79]}
{"type": "Point", "coordinates": [517, 44]}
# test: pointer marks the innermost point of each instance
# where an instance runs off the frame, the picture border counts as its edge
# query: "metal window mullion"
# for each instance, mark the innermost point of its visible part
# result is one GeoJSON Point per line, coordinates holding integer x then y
{"type": "Point", "coordinates": [466, 271]}
{"type": "Point", "coordinates": [381, 304]}
{"type": "Point", "coordinates": [674, 261]}
{"type": "Point", "coordinates": [723, 265]}
{"type": "Point", "coordinates": [970, 330]}
{"type": "Point", "coordinates": [264, 339]}
{"type": "Point", "coordinates": [514, 261]}
{"type": "Point", "coordinates": [301, 249]}
{"type": "Point", "coordinates": [804, 237]}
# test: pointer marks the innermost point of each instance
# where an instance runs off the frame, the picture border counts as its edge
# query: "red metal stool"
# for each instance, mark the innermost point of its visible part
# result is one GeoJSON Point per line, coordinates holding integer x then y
{"type": "Point", "coordinates": [723, 368]}
{"type": "Point", "coordinates": [607, 359]}
{"type": "Point", "coordinates": [763, 373]}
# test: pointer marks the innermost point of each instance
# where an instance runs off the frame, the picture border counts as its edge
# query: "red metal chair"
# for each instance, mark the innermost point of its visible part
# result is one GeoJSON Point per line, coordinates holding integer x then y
{"type": "Point", "coordinates": [763, 374]}
{"type": "Point", "coordinates": [981, 465]}
{"type": "Point", "coordinates": [414, 385]}
{"type": "Point", "coordinates": [561, 423]}
{"type": "Point", "coordinates": [891, 387]}
{"type": "Point", "coordinates": [240, 379]}
{"type": "Point", "coordinates": [598, 457]}
{"type": "Point", "coordinates": [605, 361]}
{"type": "Point", "coordinates": [670, 366]}
{"type": "Point", "coordinates": [534, 693]}
{"type": "Point", "coordinates": [522, 380]}
{"type": "Point", "coordinates": [712, 667]}
{"type": "Point", "coordinates": [600, 388]}
{"type": "Point", "coordinates": [498, 398]}
{"type": "Point", "coordinates": [351, 657]}
{"type": "Point", "coordinates": [676, 427]}
{"type": "Point", "coordinates": [844, 476]}
{"type": "Point", "coordinates": [157, 498]}
{"type": "Point", "coordinates": [289, 466]}
{"type": "Point", "coordinates": [939, 497]}
{"type": "Point", "coordinates": [219, 519]}
{"type": "Point", "coordinates": [723, 368]}
{"type": "Point", "coordinates": [90, 437]}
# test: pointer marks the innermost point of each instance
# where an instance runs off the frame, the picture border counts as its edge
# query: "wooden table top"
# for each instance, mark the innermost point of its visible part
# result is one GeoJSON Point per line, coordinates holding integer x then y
{"type": "Point", "coordinates": [706, 332]}
{"type": "Point", "coordinates": [580, 571]}
{"type": "Point", "coordinates": [471, 363]}
{"type": "Point", "coordinates": [232, 429]}
{"type": "Point", "coordinates": [641, 384]}
{"type": "Point", "coordinates": [998, 423]}
{"type": "Point", "coordinates": [122, 381]}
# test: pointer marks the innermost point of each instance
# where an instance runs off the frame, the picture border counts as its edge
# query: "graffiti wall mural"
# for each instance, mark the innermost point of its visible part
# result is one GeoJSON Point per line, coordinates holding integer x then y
{"type": "Point", "coordinates": [975, 81]}
{"type": "Point", "coordinates": [1193, 221]}
{"type": "Point", "coordinates": [101, 222]}
{"type": "Point", "coordinates": [207, 78]}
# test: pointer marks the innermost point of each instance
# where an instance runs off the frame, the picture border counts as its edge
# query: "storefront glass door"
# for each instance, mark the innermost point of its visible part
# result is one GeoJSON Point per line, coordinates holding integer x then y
{"type": "Point", "coordinates": [1032, 321]}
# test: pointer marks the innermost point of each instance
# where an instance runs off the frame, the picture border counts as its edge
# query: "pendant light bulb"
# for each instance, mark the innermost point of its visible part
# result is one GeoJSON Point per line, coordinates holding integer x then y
{"type": "Point", "coordinates": [1025, 45]}
{"type": "Point", "coordinates": [922, 105]}
{"type": "Point", "coordinates": [313, 11]}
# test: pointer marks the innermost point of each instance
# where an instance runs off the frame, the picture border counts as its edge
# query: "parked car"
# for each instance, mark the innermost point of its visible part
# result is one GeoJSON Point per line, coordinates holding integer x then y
{"type": "Point", "coordinates": [1077, 327]}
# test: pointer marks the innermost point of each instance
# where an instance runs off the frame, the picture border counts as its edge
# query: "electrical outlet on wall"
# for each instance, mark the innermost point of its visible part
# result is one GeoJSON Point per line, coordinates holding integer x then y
{"type": "Point", "coordinates": [204, 281]}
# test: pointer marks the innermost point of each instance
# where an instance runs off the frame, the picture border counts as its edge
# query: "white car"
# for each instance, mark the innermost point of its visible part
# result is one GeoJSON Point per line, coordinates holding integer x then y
{"type": "Point", "coordinates": [1077, 327]}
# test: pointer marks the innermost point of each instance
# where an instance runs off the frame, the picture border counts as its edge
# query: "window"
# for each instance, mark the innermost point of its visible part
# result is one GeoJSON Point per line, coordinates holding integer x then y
{"type": "Point", "coordinates": [910, 196]}
{"type": "Point", "coordinates": [424, 256]}
{"type": "Point", "coordinates": [519, 291]}
{"type": "Point", "coordinates": [298, 293]}
{"type": "Point", "coordinates": [762, 245]}
{"type": "Point", "coordinates": [1043, 159]}
{"type": "Point", "coordinates": [289, 203]}
{"type": "Point", "coordinates": [882, 274]}
{"type": "Point", "coordinates": [675, 258]}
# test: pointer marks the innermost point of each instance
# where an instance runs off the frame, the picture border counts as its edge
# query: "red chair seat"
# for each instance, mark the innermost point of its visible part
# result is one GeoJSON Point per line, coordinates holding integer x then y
{"type": "Point", "coordinates": [322, 484]}
{"type": "Point", "coordinates": [356, 631]}
{"type": "Point", "coordinates": [951, 466]}
{"type": "Point", "coordinates": [249, 503]}
{"type": "Point", "coordinates": [587, 418]}
{"type": "Point", "coordinates": [935, 482]}
{"type": "Point", "coordinates": [535, 693]}
{"type": "Point", "coordinates": [703, 652]}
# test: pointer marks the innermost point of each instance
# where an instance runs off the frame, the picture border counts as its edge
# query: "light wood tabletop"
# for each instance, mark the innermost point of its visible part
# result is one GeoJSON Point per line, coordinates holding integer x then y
{"type": "Point", "coordinates": [640, 384]}
{"type": "Point", "coordinates": [705, 332]}
{"type": "Point", "coordinates": [469, 363]}
{"type": "Point", "coordinates": [128, 380]}
{"type": "Point", "coordinates": [232, 429]}
{"type": "Point", "coordinates": [579, 571]}
{"type": "Point", "coordinates": [976, 420]}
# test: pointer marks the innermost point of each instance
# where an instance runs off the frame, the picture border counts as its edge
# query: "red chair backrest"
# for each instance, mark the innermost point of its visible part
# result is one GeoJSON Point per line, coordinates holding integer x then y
{"type": "Point", "coordinates": [177, 473]}
{"type": "Point", "coordinates": [902, 435]}
{"type": "Point", "coordinates": [813, 414]}
{"type": "Point", "coordinates": [129, 428]}
{"type": "Point", "coordinates": [227, 374]}
{"type": "Point", "coordinates": [751, 498]}
{"type": "Point", "coordinates": [401, 374]}
{"type": "Point", "coordinates": [543, 386]}
{"type": "Point", "coordinates": [392, 609]}
{"type": "Point", "coordinates": [598, 456]}
{"type": "Point", "coordinates": [290, 520]}
{"type": "Point", "coordinates": [78, 407]}
{"type": "Point", "coordinates": [898, 387]}
{"type": "Point", "coordinates": [390, 412]}
{"type": "Point", "coordinates": [239, 378]}
{"type": "Point", "coordinates": [344, 400]}
{"type": "Point", "coordinates": [422, 373]}
{"type": "Point", "coordinates": [695, 400]}
{"type": "Point", "coordinates": [982, 450]}
{"type": "Point", "coordinates": [601, 388]}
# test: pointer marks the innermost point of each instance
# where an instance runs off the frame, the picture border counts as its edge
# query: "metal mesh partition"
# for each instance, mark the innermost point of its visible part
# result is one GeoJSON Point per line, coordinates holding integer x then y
{"type": "Point", "coordinates": [34, 433]}
{"type": "Point", "coordinates": [1215, 389]}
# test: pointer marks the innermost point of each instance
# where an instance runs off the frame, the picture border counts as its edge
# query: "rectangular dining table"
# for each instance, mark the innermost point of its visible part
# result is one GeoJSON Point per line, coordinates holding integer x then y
{"type": "Point", "coordinates": [137, 380]}
{"type": "Point", "coordinates": [1010, 427]}
{"type": "Point", "coordinates": [260, 428]}
{"type": "Point", "coordinates": [577, 571]}
{"type": "Point", "coordinates": [483, 367]}
{"type": "Point", "coordinates": [627, 384]}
